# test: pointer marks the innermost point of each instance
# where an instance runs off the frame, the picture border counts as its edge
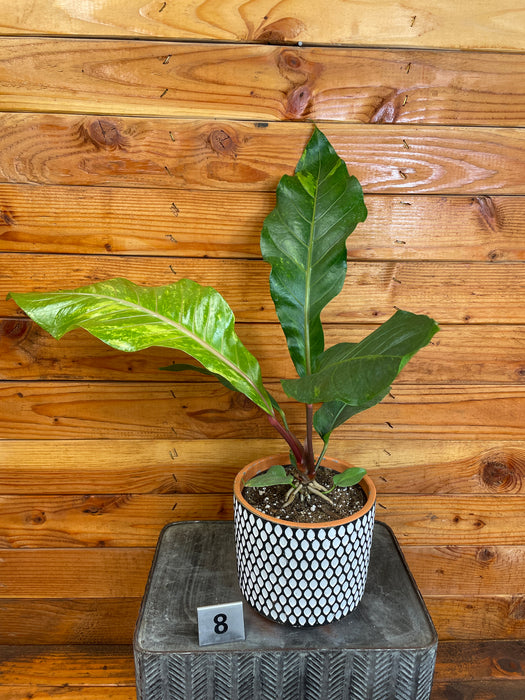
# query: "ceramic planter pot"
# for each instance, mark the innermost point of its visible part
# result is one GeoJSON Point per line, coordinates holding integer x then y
{"type": "Point", "coordinates": [301, 574]}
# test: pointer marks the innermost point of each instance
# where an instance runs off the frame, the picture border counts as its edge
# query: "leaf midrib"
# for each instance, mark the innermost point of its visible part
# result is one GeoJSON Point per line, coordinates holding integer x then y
{"type": "Point", "coordinates": [307, 348]}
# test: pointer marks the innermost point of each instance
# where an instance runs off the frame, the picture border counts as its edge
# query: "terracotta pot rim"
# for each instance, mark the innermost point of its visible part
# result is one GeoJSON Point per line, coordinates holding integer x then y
{"type": "Point", "coordinates": [263, 463]}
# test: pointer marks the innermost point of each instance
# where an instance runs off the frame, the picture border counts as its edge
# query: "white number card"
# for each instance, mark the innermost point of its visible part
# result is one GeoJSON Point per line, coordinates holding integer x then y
{"type": "Point", "coordinates": [220, 623]}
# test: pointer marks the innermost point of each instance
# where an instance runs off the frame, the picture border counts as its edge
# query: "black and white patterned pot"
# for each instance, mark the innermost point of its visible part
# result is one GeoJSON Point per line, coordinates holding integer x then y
{"type": "Point", "coordinates": [301, 574]}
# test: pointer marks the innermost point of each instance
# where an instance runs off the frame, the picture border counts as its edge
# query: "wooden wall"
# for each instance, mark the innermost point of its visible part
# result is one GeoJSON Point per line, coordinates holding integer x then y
{"type": "Point", "coordinates": [146, 140]}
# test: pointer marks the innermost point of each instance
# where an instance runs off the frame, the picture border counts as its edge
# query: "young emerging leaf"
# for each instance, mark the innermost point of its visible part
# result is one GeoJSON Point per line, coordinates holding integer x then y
{"type": "Point", "coordinates": [350, 477]}
{"type": "Point", "coordinates": [303, 239]}
{"type": "Point", "coordinates": [183, 315]}
{"type": "Point", "coordinates": [271, 477]}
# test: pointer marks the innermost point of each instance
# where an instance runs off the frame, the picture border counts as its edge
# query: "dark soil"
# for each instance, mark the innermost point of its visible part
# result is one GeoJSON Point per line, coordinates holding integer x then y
{"type": "Point", "coordinates": [310, 508]}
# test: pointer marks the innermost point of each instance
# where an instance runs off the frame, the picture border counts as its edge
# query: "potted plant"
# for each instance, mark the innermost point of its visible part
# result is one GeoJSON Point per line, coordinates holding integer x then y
{"type": "Point", "coordinates": [303, 560]}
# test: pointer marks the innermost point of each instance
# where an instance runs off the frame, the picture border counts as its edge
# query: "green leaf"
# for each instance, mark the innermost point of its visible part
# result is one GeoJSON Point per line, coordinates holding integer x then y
{"type": "Point", "coordinates": [332, 414]}
{"type": "Point", "coordinates": [183, 315]}
{"type": "Point", "coordinates": [350, 477]}
{"type": "Point", "coordinates": [358, 374]}
{"type": "Point", "coordinates": [271, 477]}
{"type": "Point", "coordinates": [303, 239]}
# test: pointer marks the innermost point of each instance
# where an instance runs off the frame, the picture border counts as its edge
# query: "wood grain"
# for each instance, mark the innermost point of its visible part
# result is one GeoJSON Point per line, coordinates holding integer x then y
{"type": "Point", "coordinates": [483, 660]}
{"type": "Point", "coordinates": [139, 410]}
{"type": "Point", "coordinates": [192, 223]}
{"type": "Point", "coordinates": [122, 572]}
{"type": "Point", "coordinates": [459, 570]}
{"type": "Point", "coordinates": [481, 617]}
{"type": "Point", "coordinates": [262, 82]}
{"type": "Point", "coordinates": [75, 664]}
{"type": "Point", "coordinates": [449, 292]}
{"type": "Point", "coordinates": [125, 520]}
{"type": "Point", "coordinates": [68, 621]}
{"type": "Point", "coordinates": [459, 354]}
{"type": "Point", "coordinates": [479, 690]}
{"type": "Point", "coordinates": [120, 520]}
{"type": "Point", "coordinates": [446, 25]}
{"type": "Point", "coordinates": [400, 466]}
{"type": "Point", "coordinates": [79, 693]}
{"type": "Point", "coordinates": [201, 154]}
{"type": "Point", "coordinates": [110, 573]}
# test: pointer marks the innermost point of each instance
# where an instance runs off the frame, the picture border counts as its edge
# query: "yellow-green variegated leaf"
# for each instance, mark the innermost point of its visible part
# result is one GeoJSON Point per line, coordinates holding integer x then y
{"type": "Point", "coordinates": [184, 315]}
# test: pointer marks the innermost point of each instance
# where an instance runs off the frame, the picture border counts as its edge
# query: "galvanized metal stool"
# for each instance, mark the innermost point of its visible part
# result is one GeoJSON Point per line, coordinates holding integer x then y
{"type": "Point", "coordinates": [384, 650]}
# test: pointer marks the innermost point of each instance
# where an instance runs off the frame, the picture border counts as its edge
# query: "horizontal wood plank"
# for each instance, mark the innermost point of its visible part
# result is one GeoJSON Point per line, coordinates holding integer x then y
{"type": "Point", "coordinates": [140, 410]}
{"type": "Point", "coordinates": [77, 692]}
{"type": "Point", "coordinates": [121, 520]}
{"type": "Point", "coordinates": [483, 617]}
{"type": "Point", "coordinates": [385, 22]}
{"type": "Point", "coordinates": [450, 292]}
{"type": "Point", "coordinates": [399, 466]}
{"type": "Point", "coordinates": [193, 223]}
{"type": "Point", "coordinates": [122, 572]}
{"type": "Point", "coordinates": [480, 660]}
{"type": "Point", "coordinates": [65, 149]}
{"type": "Point", "coordinates": [459, 354]}
{"type": "Point", "coordinates": [479, 690]}
{"type": "Point", "coordinates": [462, 570]}
{"type": "Point", "coordinates": [262, 82]}
{"type": "Point", "coordinates": [125, 520]}
{"type": "Point", "coordinates": [110, 573]}
{"type": "Point", "coordinates": [68, 621]}
{"type": "Point", "coordinates": [77, 665]}
{"type": "Point", "coordinates": [434, 520]}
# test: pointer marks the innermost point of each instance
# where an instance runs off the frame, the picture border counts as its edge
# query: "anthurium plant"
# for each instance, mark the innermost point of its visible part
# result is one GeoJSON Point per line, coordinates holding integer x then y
{"type": "Point", "coordinates": [304, 241]}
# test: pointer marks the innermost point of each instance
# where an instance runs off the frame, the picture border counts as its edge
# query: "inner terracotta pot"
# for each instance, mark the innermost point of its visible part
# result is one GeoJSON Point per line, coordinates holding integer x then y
{"type": "Point", "coordinates": [302, 574]}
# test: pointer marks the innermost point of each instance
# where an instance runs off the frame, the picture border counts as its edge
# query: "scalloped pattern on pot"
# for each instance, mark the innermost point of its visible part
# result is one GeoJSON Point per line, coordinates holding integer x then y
{"type": "Point", "coordinates": [302, 576]}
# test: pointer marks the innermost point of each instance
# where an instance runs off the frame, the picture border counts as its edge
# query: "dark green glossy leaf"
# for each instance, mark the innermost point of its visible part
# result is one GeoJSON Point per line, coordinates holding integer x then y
{"type": "Point", "coordinates": [183, 315]}
{"type": "Point", "coordinates": [273, 476]}
{"type": "Point", "coordinates": [357, 374]}
{"type": "Point", "coordinates": [303, 239]}
{"type": "Point", "coordinates": [332, 414]}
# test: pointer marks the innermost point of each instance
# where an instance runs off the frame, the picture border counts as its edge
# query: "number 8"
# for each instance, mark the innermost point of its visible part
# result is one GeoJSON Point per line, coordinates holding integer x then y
{"type": "Point", "coordinates": [220, 623]}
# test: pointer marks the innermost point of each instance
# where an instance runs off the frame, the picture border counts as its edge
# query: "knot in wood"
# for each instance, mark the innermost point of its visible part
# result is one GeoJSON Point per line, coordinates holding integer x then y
{"type": "Point", "coordinates": [222, 142]}
{"type": "Point", "coordinates": [6, 218]}
{"type": "Point", "coordinates": [502, 473]}
{"type": "Point", "coordinates": [290, 60]}
{"type": "Point", "coordinates": [485, 555]}
{"type": "Point", "coordinates": [280, 31]}
{"type": "Point", "coordinates": [36, 517]}
{"type": "Point", "coordinates": [488, 212]}
{"type": "Point", "coordinates": [104, 134]}
{"type": "Point", "coordinates": [517, 609]}
{"type": "Point", "coordinates": [15, 329]}
{"type": "Point", "coordinates": [298, 103]}
{"type": "Point", "coordinates": [509, 667]}
{"type": "Point", "coordinates": [387, 111]}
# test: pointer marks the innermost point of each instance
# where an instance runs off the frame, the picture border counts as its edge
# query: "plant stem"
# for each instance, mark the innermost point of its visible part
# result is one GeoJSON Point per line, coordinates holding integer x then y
{"type": "Point", "coordinates": [323, 452]}
{"type": "Point", "coordinates": [290, 439]}
{"type": "Point", "coordinates": [309, 446]}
